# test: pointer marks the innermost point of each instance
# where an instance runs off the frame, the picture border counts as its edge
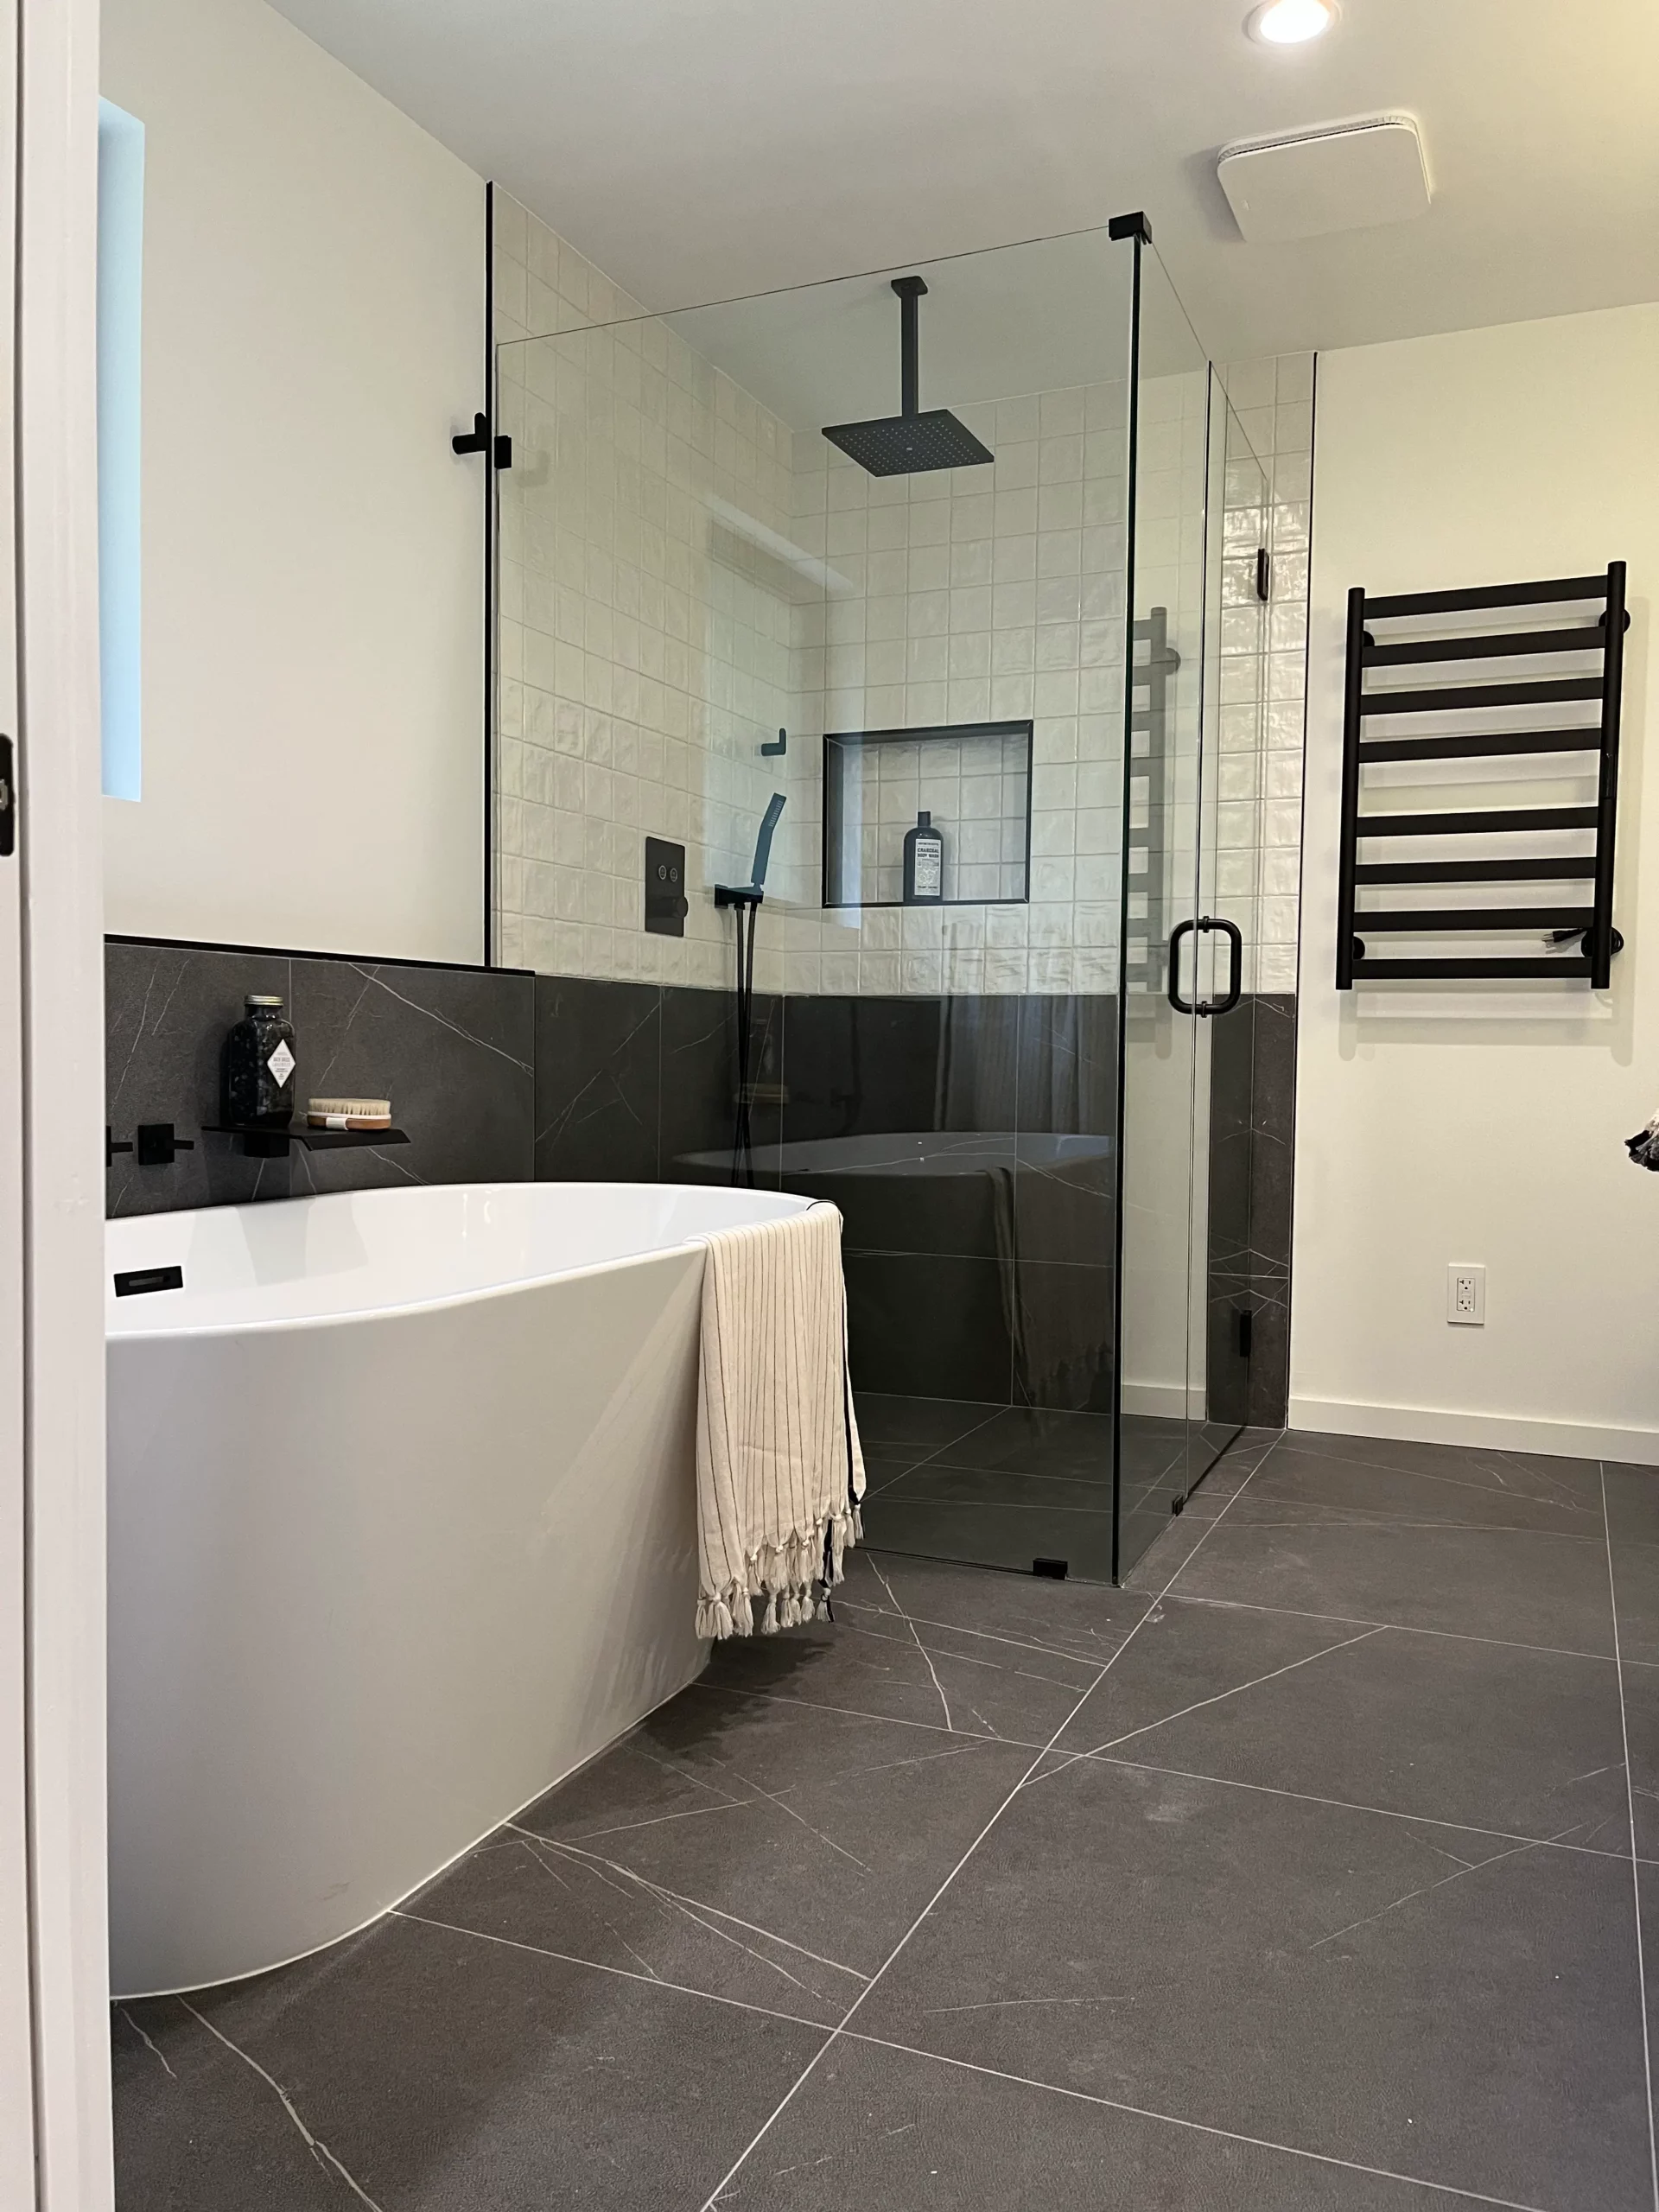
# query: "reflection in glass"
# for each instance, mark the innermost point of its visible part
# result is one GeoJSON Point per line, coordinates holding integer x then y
{"type": "Point", "coordinates": [689, 563]}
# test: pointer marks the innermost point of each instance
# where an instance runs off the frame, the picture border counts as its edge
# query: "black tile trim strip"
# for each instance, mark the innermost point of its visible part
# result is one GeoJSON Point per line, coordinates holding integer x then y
{"type": "Point", "coordinates": [290, 952]}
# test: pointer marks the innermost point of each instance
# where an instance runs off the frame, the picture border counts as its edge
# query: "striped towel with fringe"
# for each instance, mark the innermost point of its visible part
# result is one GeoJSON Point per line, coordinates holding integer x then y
{"type": "Point", "coordinates": [780, 1471]}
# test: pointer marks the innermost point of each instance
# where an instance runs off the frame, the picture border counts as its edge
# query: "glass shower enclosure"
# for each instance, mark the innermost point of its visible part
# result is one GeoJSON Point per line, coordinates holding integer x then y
{"type": "Point", "coordinates": [907, 588]}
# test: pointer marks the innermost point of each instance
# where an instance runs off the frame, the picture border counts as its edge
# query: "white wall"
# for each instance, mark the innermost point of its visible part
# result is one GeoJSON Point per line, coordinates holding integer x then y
{"type": "Point", "coordinates": [1459, 1128]}
{"type": "Point", "coordinates": [313, 333]}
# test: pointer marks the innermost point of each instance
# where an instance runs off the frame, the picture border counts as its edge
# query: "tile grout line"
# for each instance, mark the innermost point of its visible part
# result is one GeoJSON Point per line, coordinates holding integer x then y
{"type": "Point", "coordinates": [928, 1457]}
{"type": "Point", "coordinates": [319, 2149]}
{"type": "Point", "coordinates": [767, 2125]}
{"type": "Point", "coordinates": [1636, 1872]}
{"type": "Point", "coordinates": [971, 1740]}
{"type": "Point", "coordinates": [1190, 2127]}
{"type": "Point", "coordinates": [962, 2065]}
{"type": "Point", "coordinates": [1399, 1627]}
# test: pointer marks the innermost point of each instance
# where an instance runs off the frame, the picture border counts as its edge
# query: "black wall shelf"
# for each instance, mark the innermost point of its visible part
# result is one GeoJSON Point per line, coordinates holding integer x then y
{"type": "Point", "coordinates": [272, 1144]}
{"type": "Point", "coordinates": [1586, 932]}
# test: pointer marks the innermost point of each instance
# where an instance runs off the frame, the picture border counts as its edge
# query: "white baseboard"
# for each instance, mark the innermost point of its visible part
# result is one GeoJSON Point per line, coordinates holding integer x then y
{"type": "Point", "coordinates": [1164, 1400]}
{"type": "Point", "coordinates": [1498, 1432]}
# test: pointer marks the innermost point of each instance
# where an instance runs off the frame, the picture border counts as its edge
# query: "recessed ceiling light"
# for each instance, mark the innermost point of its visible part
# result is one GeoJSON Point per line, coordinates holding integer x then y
{"type": "Point", "coordinates": [1291, 23]}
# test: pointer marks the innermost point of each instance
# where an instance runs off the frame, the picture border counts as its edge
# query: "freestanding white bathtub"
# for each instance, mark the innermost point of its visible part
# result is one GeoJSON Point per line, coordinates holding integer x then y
{"type": "Point", "coordinates": [402, 1529]}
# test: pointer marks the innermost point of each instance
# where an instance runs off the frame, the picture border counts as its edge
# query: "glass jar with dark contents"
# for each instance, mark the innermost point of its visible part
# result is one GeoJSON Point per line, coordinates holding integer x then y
{"type": "Point", "coordinates": [259, 1065]}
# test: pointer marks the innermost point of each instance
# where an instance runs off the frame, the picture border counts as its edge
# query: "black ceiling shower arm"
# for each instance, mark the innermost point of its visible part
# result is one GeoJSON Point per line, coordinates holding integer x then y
{"type": "Point", "coordinates": [910, 290]}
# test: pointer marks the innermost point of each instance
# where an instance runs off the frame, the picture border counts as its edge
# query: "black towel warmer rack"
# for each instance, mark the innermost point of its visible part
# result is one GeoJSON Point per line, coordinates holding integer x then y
{"type": "Point", "coordinates": [1603, 636]}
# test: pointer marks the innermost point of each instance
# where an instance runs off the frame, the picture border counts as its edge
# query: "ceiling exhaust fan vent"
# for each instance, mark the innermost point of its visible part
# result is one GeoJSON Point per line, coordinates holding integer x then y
{"type": "Point", "coordinates": [1345, 176]}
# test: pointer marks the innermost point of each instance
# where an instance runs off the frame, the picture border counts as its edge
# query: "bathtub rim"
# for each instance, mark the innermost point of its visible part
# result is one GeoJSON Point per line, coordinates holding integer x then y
{"type": "Point", "coordinates": [190, 1332]}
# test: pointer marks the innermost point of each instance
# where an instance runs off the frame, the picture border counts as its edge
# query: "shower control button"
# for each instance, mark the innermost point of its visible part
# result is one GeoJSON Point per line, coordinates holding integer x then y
{"type": "Point", "coordinates": [665, 900]}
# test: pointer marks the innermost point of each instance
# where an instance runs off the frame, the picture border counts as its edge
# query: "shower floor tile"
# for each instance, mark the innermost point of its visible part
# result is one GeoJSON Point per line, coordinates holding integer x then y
{"type": "Point", "coordinates": [1299, 1875]}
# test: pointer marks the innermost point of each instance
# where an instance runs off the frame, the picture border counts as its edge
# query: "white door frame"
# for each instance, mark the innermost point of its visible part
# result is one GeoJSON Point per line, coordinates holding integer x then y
{"type": "Point", "coordinates": [17, 2010]}
{"type": "Point", "coordinates": [58, 872]}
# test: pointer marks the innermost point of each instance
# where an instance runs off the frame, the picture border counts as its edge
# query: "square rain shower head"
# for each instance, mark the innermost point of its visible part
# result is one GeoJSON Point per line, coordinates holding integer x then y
{"type": "Point", "coordinates": [908, 445]}
{"type": "Point", "coordinates": [910, 442]}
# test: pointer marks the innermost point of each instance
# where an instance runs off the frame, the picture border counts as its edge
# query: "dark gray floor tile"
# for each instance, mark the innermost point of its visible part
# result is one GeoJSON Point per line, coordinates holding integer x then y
{"type": "Point", "coordinates": [196, 2129]}
{"type": "Point", "coordinates": [940, 1646]}
{"type": "Point", "coordinates": [1636, 1583]}
{"type": "Point", "coordinates": [1196, 1937]}
{"type": "Point", "coordinates": [1518, 1584]}
{"type": "Point", "coordinates": [945, 1482]}
{"type": "Point", "coordinates": [1039, 1443]}
{"type": "Point", "coordinates": [1526, 1742]}
{"type": "Point", "coordinates": [1641, 1685]}
{"type": "Point", "coordinates": [961, 1609]}
{"type": "Point", "coordinates": [445, 2073]}
{"type": "Point", "coordinates": [613, 1902]}
{"type": "Point", "coordinates": [1154, 1449]}
{"type": "Point", "coordinates": [827, 1830]}
{"type": "Point", "coordinates": [1171, 1539]}
{"type": "Point", "coordinates": [997, 1535]}
{"type": "Point", "coordinates": [883, 1469]}
{"type": "Point", "coordinates": [1327, 1479]}
{"type": "Point", "coordinates": [1236, 1466]}
{"type": "Point", "coordinates": [1633, 1535]}
{"type": "Point", "coordinates": [888, 1425]}
{"type": "Point", "coordinates": [1540, 1476]}
{"type": "Point", "coordinates": [1633, 1495]}
{"type": "Point", "coordinates": [1352, 1991]}
{"type": "Point", "coordinates": [893, 2130]}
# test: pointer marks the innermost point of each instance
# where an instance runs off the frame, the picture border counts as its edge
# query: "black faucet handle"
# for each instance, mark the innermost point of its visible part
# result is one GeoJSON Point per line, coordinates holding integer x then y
{"type": "Point", "coordinates": [157, 1144]}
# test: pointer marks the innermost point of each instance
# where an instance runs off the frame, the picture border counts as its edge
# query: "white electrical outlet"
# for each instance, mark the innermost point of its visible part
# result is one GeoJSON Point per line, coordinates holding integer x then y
{"type": "Point", "coordinates": [1465, 1293]}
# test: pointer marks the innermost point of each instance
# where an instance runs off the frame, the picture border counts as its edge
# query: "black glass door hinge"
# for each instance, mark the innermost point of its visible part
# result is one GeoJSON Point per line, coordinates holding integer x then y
{"type": "Point", "coordinates": [8, 801]}
{"type": "Point", "coordinates": [478, 440]}
{"type": "Point", "coordinates": [1246, 1334]}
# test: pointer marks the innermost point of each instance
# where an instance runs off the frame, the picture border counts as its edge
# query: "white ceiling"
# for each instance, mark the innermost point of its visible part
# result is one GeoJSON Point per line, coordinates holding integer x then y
{"type": "Point", "coordinates": [695, 150]}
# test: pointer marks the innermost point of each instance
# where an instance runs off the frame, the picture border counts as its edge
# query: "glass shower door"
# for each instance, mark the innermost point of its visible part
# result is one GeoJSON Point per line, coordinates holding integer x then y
{"type": "Point", "coordinates": [1184, 1147]}
{"type": "Point", "coordinates": [1162, 965]}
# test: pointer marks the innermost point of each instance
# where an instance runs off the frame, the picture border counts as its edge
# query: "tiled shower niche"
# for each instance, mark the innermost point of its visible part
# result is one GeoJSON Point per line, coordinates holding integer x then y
{"type": "Point", "coordinates": [972, 781]}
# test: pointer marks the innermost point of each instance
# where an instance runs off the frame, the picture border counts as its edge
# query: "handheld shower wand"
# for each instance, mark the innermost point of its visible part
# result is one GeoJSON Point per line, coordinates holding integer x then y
{"type": "Point", "coordinates": [746, 900]}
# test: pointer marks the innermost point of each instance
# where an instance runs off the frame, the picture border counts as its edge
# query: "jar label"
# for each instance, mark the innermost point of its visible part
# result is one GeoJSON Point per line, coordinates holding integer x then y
{"type": "Point", "coordinates": [280, 1062]}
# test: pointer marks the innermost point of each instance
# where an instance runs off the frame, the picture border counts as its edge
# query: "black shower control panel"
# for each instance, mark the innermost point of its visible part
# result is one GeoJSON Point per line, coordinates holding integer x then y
{"type": "Point", "coordinates": [665, 902]}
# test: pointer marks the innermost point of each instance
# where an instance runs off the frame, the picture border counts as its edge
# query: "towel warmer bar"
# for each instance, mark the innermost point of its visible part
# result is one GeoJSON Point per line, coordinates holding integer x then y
{"type": "Point", "coordinates": [1602, 636]}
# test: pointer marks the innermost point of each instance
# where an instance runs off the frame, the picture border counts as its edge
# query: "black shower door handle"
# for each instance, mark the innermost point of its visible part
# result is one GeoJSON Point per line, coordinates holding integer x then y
{"type": "Point", "coordinates": [1181, 929]}
{"type": "Point", "coordinates": [1235, 990]}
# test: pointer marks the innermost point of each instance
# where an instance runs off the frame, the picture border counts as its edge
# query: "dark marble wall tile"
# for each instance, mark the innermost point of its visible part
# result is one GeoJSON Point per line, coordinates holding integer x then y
{"type": "Point", "coordinates": [1252, 1158]}
{"type": "Point", "coordinates": [935, 1193]}
{"type": "Point", "coordinates": [861, 1066]}
{"type": "Point", "coordinates": [1063, 1338]}
{"type": "Point", "coordinates": [924, 1327]}
{"type": "Point", "coordinates": [1068, 1064]}
{"type": "Point", "coordinates": [450, 1047]}
{"type": "Point", "coordinates": [598, 1080]}
{"type": "Point", "coordinates": [699, 1076]}
{"type": "Point", "coordinates": [1065, 1201]}
{"type": "Point", "coordinates": [901, 1111]}
{"type": "Point", "coordinates": [167, 1010]}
